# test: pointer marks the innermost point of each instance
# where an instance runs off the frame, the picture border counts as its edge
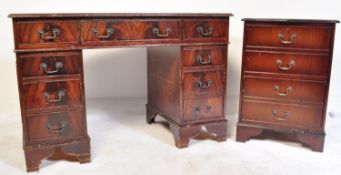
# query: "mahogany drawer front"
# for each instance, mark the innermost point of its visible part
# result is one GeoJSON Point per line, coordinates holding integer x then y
{"type": "Point", "coordinates": [55, 126]}
{"type": "Point", "coordinates": [202, 108]}
{"type": "Point", "coordinates": [51, 95]}
{"type": "Point", "coordinates": [205, 30]}
{"type": "Point", "coordinates": [286, 115]}
{"type": "Point", "coordinates": [285, 89]}
{"type": "Point", "coordinates": [50, 64]}
{"type": "Point", "coordinates": [203, 82]}
{"type": "Point", "coordinates": [203, 56]}
{"type": "Point", "coordinates": [288, 63]}
{"type": "Point", "coordinates": [47, 33]}
{"type": "Point", "coordinates": [289, 36]}
{"type": "Point", "coordinates": [110, 31]}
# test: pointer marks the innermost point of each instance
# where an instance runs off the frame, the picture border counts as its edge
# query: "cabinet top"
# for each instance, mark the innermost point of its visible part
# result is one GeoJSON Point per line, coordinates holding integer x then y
{"type": "Point", "coordinates": [290, 20]}
{"type": "Point", "coordinates": [120, 15]}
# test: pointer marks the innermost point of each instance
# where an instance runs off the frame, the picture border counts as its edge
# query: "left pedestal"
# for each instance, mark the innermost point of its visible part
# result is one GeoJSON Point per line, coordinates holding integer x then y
{"type": "Point", "coordinates": [52, 101]}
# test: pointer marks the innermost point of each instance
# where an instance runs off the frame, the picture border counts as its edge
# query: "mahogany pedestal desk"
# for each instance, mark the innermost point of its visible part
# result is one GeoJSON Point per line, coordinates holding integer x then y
{"type": "Point", "coordinates": [187, 61]}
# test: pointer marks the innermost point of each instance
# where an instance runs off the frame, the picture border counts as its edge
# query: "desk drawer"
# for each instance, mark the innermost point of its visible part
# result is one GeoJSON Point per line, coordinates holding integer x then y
{"type": "Point", "coordinates": [282, 114]}
{"type": "Point", "coordinates": [137, 30]}
{"type": "Point", "coordinates": [203, 82]}
{"type": "Point", "coordinates": [203, 56]}
{"type": "Point", "coordinates": [51, 95]}
{"type": "Point", "coordinates": [203, 108]}
{"type": "Point", "coordinates": [47, 33]}
{"type": "Point", "coordinates": [288, 63]}
{"type": "Point", "coordinates": [57, 126]}
{"type": "Point", "coordinates": [289, 36]}
{"type": "Point", "coordinates": [50, 64]}
{"type": "Point", "coordinates": [205, 30]}
{"type": "Point", "coordinates": [285, 89]}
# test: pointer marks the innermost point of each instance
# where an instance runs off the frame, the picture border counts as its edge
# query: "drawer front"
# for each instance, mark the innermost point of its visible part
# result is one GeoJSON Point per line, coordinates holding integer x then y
{"type": "Point", "coordinates": [203, 82]}
{"type": "Point", "coordinates": [203, 108]}
{"type": "Point", "coordinates": [52, 32]}
{"type": "Point", "coordinates": [49, 95]}
{"type": "Point", "coordinates": [203, 56]}
{"type": "Point", "coordinates": [109, 31]}
{"type": "Point", "coordinates": [205, 30]}
{"type": "Point", "coordinates": [50, 64]}
{"type": "Point", "coordinates": [289, 36]}
{"type": "Point", "coordinates": [55, 126]}
{"type": "Point", "coordinates": [285, 89]}
{"type": "Point", "coordinates": [286, 115]}
{"type": "Point", "coordinates": [289, 63]}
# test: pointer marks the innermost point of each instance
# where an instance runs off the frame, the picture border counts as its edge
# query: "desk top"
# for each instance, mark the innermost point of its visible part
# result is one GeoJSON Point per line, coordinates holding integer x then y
{"type": "Point", "coordinates": [119, 15]}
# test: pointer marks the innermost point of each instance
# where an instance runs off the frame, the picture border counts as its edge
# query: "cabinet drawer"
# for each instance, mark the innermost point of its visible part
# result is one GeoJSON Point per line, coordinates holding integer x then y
{"type": "Point", "coordinates": [289, 63]}
{"type": "Point", "coordinates": [55, 126]}
{"type": "Point", "coordinates": [285, 89]}
{"type": "Point", "coordinates": [281, 114]}
{"type": "Point", "coordinates": [203, 108]}
{"type": "Point", "coordinates": [50, 64]}
{"type": "Point", "coordinates": [47, 33]}
{"type": "Point", "coordinates": [203, 82]}
{"type": "Point", "coordinates": [49, 95]}
{"type": "Point", "coordinates": [203, 56]}
{"type": "Point", "coordinates": [289, 36]}
{"type": "Point", "coordinates": [109, 31]}
{"type": "Point", "coordinates": [205, 30]}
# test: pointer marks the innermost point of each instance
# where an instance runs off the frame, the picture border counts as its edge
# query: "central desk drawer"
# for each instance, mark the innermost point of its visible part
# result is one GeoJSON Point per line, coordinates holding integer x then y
{"type": "Point", "coordinates": [137, 30]}
{"type": "Point", "coordinates": [50, 95]}
{"type": "Point", "coordinates": [203, 56]}
{"type": "Point", "coordinates": [203, 82]}
{"type": "Point", "coordinates": [55, 126]}
{"type": "Point", "coordinates": [50, 64]}
{"type": "Point", "coordinates": [288, 36]}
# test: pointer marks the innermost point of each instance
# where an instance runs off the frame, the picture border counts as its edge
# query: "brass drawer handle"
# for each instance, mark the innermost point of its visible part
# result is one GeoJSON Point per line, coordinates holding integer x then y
{"type": "Point", "coordinates": [58, 65]}
{"type": "Point", "coordinates": [277, 89]}
{"type": "Point", "coordinates": [290, 65]}
{"type": "Point", "coordinates": [281, 38]}
{"type": "Point", "coordinates": [60, 94]}
{"type": "Point", "coordinates": [201, 61]}
{"type": "Point", "coordinates": [108, 31]}
{"type": "Point", "coordinates": [201, 30]}
{"type": "Point", "coordinates": [160, 35]}
{"type": "Point", "coordinates": [204, 85]}
{"type": "Point", "coordinates": [280, 117]}
{"type": "Point", "coordinates": [55, 32]}
{"type": "Point", "coordinates": [56, 129]}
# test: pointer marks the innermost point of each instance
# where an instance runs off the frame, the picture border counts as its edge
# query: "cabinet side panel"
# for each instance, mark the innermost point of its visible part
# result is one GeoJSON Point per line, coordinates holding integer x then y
{"type": "Point", "coordinates": [164, 81]}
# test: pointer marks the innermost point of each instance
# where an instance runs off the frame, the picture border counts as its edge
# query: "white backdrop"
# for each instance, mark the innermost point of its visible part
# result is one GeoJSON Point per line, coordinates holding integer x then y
{"type": "Point", "coordinates": [122, 72]}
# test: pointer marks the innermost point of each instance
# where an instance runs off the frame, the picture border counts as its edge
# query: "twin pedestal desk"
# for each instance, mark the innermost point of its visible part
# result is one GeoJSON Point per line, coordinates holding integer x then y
{"type": "Point", "coordinates": [187, 60]}
{"type": "Point", "coordinates": [284, 85]}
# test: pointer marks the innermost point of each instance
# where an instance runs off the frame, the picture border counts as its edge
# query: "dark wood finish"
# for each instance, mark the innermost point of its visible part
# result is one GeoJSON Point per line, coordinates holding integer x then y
{"type": "Point", "coordinates": [312, 64]}
{"type": "Point", "coordinates": [212, 30]}
{"type": "Point", "coordinates": [285, 79]}
{"type": "Point", "coordinates": [31, 64]}
{"type": "Point", "coordinates": [203, 56]}
{"type": "Point", "coordinates": [187, 48]}
{"type": "Point", "coordinates": [307, 36]}
{"type": "Point", "coordinates": [130, 30]}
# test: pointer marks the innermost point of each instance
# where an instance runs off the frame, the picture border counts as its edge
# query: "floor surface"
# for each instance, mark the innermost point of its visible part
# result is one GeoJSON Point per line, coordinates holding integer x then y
{"type": "Point", "coordinates": [122, 143]}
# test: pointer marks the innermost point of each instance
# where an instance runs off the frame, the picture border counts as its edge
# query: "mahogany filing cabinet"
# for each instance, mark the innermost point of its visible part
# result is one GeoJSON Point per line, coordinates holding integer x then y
{"type": "Point", "coordinates": [285, 78]}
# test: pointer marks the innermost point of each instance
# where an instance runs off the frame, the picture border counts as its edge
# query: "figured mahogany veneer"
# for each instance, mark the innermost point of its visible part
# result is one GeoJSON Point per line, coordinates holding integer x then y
{"type": "Point", "coordinates": [285, 78]}
{"type": "Point", "coordinates": [186, 75]}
